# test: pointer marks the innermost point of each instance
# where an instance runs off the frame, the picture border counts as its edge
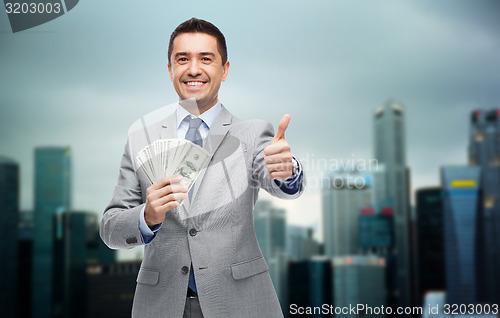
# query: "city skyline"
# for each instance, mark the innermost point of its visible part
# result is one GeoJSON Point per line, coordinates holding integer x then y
{"type": "Point", "coordinates": [462, 192]}
{"type": "Point", "coordinates": [66, 84]}
{"type": "Point", "coordinates": [408, 87]}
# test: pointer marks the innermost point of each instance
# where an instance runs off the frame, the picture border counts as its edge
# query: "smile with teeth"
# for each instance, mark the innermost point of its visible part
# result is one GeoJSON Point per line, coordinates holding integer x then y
{"type": "Point", "coordinates": [195, 83]}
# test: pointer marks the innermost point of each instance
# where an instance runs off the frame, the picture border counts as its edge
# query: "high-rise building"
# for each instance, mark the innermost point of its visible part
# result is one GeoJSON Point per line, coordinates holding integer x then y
{"type": "Point", "coordinates": [52, 196]}
{"type": "Point", "coordinates": [461, 197]}
{"type": "Point", "coordinates": [270, 228]}
{"type": "Point", "coordinates": [376, 230]}
{"type": "Point", "coordinates": [390, 150]}
{"type": "Point", "coordinates": [430, 241]}
{"type": "Point", "coordinates": [25, 264]}
{"type": "Point", "coordinates": [484, 152]}
{"type": "Point", "coordinates": [359, 280]}
{"type": "Point", "coordinates": [376, 238]}
{"type": "Point", "coordinates": [110, 289]}
{"type": "Point", "coordinates": [9, 203]}
{"type": "Point", "coordinates": [344, 193]}
{"type": "Point", "coordinates": [310, 283]}
{"type": "Point", "coordinates": [77, 244]}
{"type": "Point", "coordinates": [300, 244]}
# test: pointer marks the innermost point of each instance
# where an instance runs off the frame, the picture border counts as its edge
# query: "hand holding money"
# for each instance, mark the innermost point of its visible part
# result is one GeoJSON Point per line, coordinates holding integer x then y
{"type": "Point", "coordinates": [163, 196]}
{"type": "Point", "coordinates": [278, 157]}
{"type": "Point", "coordinates": [171, 166]}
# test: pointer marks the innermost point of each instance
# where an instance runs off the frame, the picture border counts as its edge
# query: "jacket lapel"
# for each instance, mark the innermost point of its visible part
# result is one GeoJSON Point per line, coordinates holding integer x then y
{"type": "Point", "coordinates": [217, 133]}
{"type": "Point", "coordinates": [169, 131]}
{"type": "Point", "coordinates": [169, 127]}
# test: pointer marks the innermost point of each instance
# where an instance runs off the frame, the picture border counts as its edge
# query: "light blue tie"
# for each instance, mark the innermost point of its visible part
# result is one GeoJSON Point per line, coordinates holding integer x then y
{"type": "Point", "coordinates": [193, 135]}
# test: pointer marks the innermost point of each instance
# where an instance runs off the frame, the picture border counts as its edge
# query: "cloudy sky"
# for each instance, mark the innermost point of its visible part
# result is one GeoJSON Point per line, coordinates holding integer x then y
{"type": "Point", "coordinates": [81, 80]}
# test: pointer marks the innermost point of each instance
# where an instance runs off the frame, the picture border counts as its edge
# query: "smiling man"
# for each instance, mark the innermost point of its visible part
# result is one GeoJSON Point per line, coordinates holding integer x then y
{"type": "Point", "coordinates": [202, 258]}
{"type": "Point", "coordinates": [197, 68]}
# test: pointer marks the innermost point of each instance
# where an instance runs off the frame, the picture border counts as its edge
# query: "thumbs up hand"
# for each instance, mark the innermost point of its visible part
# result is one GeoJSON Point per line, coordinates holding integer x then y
{"type": "Point", "coordinates": [278, 157]}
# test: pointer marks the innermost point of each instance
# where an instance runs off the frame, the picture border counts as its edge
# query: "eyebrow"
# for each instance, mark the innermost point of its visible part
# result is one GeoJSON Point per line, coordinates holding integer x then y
{"type": "Point", "coordinates": [186, 53]}
{"type": "Point", "coordinates": [207, 53]}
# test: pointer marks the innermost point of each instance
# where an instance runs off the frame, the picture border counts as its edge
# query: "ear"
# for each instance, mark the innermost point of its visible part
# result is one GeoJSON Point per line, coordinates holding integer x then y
{"type": "Point", "coordinates": [170, 71]}
{"type": "Point", "coordinates": [225, 71]}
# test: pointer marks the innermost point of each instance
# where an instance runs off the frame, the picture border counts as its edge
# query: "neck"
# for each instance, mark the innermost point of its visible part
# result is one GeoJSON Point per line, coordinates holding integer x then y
{"type": "Point", "coordinates": [194, 108]}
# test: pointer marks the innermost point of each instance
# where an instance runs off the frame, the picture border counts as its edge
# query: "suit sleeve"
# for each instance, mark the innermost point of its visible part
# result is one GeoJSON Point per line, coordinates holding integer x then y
{"type": "Point", "coordinates": [120, 223]}
{"type": "Point", "coordinates": [260, 173]}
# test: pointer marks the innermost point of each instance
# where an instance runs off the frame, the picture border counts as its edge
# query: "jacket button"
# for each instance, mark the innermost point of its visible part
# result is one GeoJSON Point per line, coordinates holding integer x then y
{"type": "Point", "coordinates": [192, 232]}
{"type": "Point", "coordinates": [185, 269]}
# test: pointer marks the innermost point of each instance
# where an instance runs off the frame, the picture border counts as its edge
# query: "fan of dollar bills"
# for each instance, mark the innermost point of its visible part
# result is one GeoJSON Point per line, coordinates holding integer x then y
{"type": "Point", "coordinates": [167, 157]}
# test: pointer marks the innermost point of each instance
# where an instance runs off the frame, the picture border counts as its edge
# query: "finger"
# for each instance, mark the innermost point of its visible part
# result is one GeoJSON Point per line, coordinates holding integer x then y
{"type": "Point", "coordinates": [165, 181]}
{"type": "Point", "coordinates": [166, 190]}
{"type": "Point", "coordinates": [174, 188]}
{"type": "Point", "coordinates": [170, 198]}
{"type": "Point", "coordinates": [286, 166]}
{"type": "Point", "coordinates": [170, 205]}
{"type": "Point", "coordinates": [282, 126]}
{"type": "Point", "coordinates": [277, 147]}
{"type": "Point", "coordinates": [278, 158]}
{"type": "Point", "coordinates": [153, 194]}
{"type": "Point", "coordinates": [280, 175]}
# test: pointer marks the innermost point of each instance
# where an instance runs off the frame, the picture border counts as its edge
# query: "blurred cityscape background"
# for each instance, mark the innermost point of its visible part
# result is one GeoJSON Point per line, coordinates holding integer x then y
{"type": "Point", "coordinates": [395, 117]}
{"type": "Point", "coordinates": [377, 248]}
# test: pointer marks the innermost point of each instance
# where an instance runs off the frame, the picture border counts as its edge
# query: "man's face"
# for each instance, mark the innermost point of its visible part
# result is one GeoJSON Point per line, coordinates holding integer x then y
{"type": "Point", "coordinates": [196, 68]}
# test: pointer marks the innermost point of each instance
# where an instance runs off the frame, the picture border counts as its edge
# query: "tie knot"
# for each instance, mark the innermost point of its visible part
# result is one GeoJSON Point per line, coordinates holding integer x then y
{"type": "Point", "coordinates": [195, 123]}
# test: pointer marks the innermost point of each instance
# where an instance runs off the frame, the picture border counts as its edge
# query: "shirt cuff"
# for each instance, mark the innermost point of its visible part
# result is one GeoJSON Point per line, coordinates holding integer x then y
{"type": "Point", "coordinates": [291, 186]}
{"type": "Point", "coordinates": [147, 233]}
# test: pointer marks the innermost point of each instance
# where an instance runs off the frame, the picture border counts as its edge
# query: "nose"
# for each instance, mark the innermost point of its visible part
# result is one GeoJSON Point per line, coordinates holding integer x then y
{"type": "Point", "coordinates": [194, 68]}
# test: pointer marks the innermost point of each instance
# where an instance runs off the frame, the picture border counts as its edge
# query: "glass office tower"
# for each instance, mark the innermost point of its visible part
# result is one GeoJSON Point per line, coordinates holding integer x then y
{"type": "Point", "coordinates": [484, 152]}
{"type": "Point", "coordinates": [52, 196]}
{"type": "Point", "coordinates": [270, 229]}
{"type": "Point", "coordinates": [430, 241]}
{"type": "Point", "coordinates": [390, 150]}
{"type": "Point", "coordinates": [461, 197]}
{"type": "Point", "coordinates": [9, 214]}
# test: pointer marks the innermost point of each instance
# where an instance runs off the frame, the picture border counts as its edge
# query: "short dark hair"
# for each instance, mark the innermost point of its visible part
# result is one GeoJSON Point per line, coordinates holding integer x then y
{"type": "Point", "coordinates": [195, 25]}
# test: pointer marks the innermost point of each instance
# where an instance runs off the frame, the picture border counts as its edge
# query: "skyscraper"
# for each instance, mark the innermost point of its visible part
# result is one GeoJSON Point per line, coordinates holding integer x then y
{"type": "Point", "coordinates": [430, 241]}
{"type": "Point", "coordinates": [359, 280]}
{"type": "Point", "coordinates": [390, 150]}
{"type": "Point", "coordinates": [9, 203]}
{"type": "Point", "coordinates": [376, 238]}
{"type": "Point", "coordinates": [310, 283]}
{"type": "Point", "coordinates": [25, 264]}
{"type": "Point", "coordinates": [376, 230]}
{"type": "Point", "coordinates": [110, 289]}
{"type": "Point", "coordinates": [52, 196]}
{"type": "Point", "coordinates": [461, 197]}
{"type": "Point", "coordinates": [270, 228]}
{"type": "Point", "coordinates": [343, 195]}
{"type": "Point", "coordinates": [77, 244]}
{"type": "Point", "coordinates": [484, 152]}
{"type": "Point", "coordinates": [300, 244]}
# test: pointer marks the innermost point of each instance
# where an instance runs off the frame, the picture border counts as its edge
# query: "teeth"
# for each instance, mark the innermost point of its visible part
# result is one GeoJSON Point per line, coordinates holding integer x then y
{"type": "Point", "coordinates": [194, 83]}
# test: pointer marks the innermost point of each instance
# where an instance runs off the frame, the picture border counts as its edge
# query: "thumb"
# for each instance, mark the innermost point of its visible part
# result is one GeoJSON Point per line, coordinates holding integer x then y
{"type": "Point", "coordinates": [282, 126]}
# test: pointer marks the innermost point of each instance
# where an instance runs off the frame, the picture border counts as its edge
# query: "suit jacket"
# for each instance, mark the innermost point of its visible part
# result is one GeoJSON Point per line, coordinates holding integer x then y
{"type": "Point", "coordinates": [214, 230]}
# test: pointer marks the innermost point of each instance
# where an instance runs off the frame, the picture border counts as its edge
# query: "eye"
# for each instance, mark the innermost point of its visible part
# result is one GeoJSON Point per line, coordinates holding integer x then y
{"type": "Point", "coordinates": [182, 59]}
{"type": "Point", "coordinates": [206, 59]}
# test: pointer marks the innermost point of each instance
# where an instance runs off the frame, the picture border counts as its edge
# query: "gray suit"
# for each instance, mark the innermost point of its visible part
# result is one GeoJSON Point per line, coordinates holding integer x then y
{"type": "Point", "coordinates": [214, 230]}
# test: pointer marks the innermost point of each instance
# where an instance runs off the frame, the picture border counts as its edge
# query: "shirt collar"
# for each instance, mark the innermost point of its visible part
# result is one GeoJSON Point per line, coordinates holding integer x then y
{"type": "Point", "coordinates": [208, 117]}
